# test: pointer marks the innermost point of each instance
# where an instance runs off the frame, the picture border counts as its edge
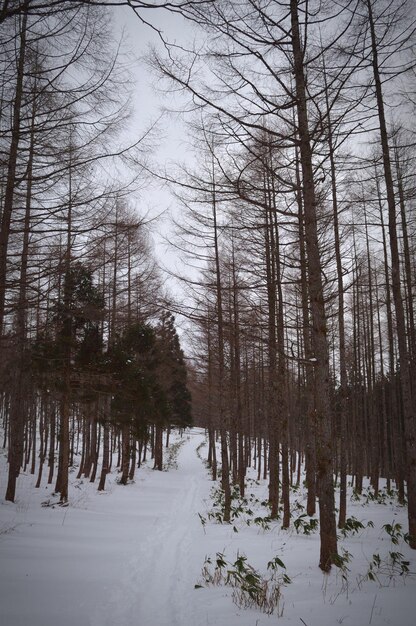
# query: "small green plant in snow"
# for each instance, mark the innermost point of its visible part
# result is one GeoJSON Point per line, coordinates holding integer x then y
{"type": "Point", "coordinates": [171, 459]}
{"type": "Point", "coordinates": [394, 530]}
{"type": "Point", "coordinates": [385, 570]}
{"type": "Point", "coordinates": [305, 524]}
{"type": "Point", "coordinates": [250, 588]}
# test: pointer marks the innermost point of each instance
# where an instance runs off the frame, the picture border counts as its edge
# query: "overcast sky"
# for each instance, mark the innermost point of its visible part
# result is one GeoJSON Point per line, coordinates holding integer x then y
{"type": "Point", "coordinates": [148, 103]}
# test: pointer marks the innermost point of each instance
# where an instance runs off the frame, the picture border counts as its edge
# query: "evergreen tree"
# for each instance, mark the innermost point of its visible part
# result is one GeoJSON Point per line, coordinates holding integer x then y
{"type": "Point", "coordinates": [172, 372]}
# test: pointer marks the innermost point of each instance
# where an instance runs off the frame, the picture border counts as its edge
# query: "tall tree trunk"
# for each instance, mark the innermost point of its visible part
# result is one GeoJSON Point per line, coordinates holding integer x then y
{"type": "Point", "coordinates": [51, 454]}
{"type": "Point", "coordinates": [11, 167]}
{"type": "Point", "coordinates": [241, 471]}
{"type": "Point", "coordinates": [272, 382]}
{"type": "Point", "coordinates": [158, 465]}
{"type": "Point", "coordinates": [125, 454]}
{"type": "Point", "coordinates": [106, 456]}
{"type": "Point", "coordinates": [225, 468]}
{"type": "Point", "coordinates": [66, 337]}
{"type": "Point", "coordinates": [341, 324]}
{"type": "Point", "coordinates": [407, 264]}
{"type": "Point", "coordinates": [19, 397]}
{"type": "Point", "coordinates": [310, 446]}
{"type": "Point", "coordinates": [282, 390]}
{"type": "Point", "coordinates": [405, 380]}
{"type": "Point", "coordinates": [324, 451]}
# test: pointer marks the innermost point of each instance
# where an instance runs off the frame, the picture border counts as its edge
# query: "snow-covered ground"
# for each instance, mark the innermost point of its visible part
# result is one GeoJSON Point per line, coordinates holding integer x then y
{"type": "Point", "coordinates": [132, 556]}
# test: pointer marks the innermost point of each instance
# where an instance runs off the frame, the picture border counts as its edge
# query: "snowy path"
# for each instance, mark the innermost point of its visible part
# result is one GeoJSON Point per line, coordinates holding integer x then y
{"type": "Point", "coordinates": [157, 585]}
{"type": "Point", "coordinates": [129, 556]}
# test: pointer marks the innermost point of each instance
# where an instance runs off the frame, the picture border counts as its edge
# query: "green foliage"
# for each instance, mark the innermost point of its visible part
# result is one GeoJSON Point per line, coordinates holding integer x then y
{"type": "Point", "coordinates": [341, 560]}
{"type": "Point", "coordinates": [148, 376]}
{"type": "Point", "coordinates": [199, 448]}
{"type": "Point", "coordinates": [242, 508]}
{"type": "Point", "coordinates": [383, 496]}
{"type": "Point", "coordinates": [239, 506]}
{"type": "Point", "coordinates": [263, 522]}
{"type": "Point", "coordinates": [74, 324]}
{"type": "Point", "coordinates": [142, 371]}
{"type": "Point", "coordinates": [199, 455]}
{"type": "Point", "coordinates": [82, 301]}
{"type": "Point", "coordinates": [307, 526]}
{"type": "Point", "coordinates": [218, 505]}
{"type": "Point", "coordinates": [171, 457]}
{"type": "Point", "coordinates": [251, 589]}
{"type": "Point", "coordinates": [131, 363]}
{"type": "Point", "coordinates": [352, 526]}
{"type": "Point", "coordinates": [297, 506]}
{"type": "Point", "coordinates": [274, 564]}
{"type": "Point", "coordinates": [385, 570]}
{"type": "Point", "coordinates": [394, 530]}
{"type": "Point", "coordinates": [172, 372]}
{"type": "Point", "coordinates": [71, 344]}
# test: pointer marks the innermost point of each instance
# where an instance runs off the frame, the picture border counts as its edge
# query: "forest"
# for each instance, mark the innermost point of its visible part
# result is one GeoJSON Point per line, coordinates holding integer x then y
{"type": "Point", "coordinates": [290, 334]}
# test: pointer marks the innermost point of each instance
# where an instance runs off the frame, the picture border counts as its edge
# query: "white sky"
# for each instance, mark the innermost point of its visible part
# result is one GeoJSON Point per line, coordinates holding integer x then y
{"type": "Point", "coordinates": [148, 102]}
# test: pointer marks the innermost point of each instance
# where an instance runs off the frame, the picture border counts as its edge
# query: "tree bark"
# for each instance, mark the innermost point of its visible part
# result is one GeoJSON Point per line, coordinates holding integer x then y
{"type": "Point", "coordinates": [405, 380]}
{"type": "Point", "coordinates": [324, 451]}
